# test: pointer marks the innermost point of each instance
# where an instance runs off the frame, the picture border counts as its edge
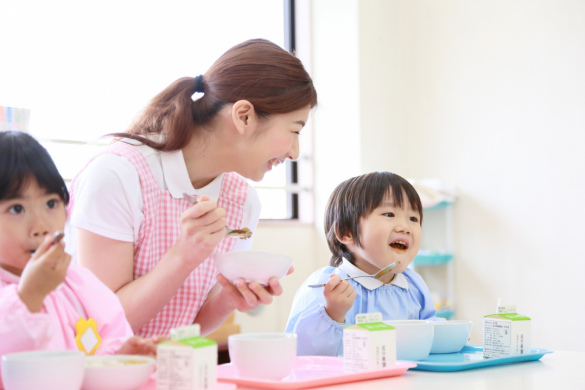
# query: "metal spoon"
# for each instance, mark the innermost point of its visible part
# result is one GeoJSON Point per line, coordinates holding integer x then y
{"type": "Point", "coordinates": [377, 275]}
{"type": "Point", "coordinates": [242, 234]}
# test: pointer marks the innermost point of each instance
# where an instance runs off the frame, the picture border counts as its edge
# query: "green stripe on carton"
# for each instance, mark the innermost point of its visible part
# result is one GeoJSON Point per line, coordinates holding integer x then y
{"type": "Point", "coordinates": [509, 316]}
{"type": "Point", "coordinates": [375, 326]}
{"type": "Point", "coordinates": [198, 342]}
{"type": "Point", "coordinates": [195, 342]}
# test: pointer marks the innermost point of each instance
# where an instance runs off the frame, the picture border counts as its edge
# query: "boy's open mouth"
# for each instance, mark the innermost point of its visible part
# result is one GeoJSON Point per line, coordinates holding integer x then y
{"type": "Point", "coordinates": [399, 244]}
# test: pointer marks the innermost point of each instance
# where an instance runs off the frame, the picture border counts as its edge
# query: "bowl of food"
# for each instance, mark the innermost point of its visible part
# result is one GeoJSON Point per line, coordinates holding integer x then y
{"type": "Point", "coordinates": [251, 266]}
{"type": "Point", "coordinates": [414, 338]}
{"type": "Point", "coordinates": [63, 370]}
{"type": "Point", "coordinates": [117, 372]}
{"type": "Point", "coordinates": [450, 336]}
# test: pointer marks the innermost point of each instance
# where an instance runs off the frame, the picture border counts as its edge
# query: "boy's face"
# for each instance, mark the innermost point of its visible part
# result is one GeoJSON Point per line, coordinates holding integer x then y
{"type": "Point", "coordinates": [388, 234]}
{"type": "Point", "coordinates": [24, 223]}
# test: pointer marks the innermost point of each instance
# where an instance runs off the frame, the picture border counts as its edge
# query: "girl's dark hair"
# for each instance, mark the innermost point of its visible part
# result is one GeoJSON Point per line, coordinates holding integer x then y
{"type": "Point", "coordinates": [257, 70]}
{"type": "Point", "coordinates": [23, 158]}
{"type": "Point", "coordinates": [358, 197]}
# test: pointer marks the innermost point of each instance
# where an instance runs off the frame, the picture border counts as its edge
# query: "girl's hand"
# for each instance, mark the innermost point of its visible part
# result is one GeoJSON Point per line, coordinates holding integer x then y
{"type": "Point", "coordinates": [339, 298]}
{"type": "Point", "coordinates": [137, 345]}
{"type": "Point", "coordinates": [202, 228]}
{"type": "Point", "coordinates": [247, 296]}
{"type": "Point", "coordinates": [45, 270]}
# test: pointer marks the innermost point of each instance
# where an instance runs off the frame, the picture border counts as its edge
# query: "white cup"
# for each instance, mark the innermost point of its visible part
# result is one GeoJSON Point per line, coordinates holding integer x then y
{"type": "Point", "coordinates": [63, 370]}
{"type": "Point", "coordinates": [414, 338]}
{"type": "Point", "coordinates": [263, 355]}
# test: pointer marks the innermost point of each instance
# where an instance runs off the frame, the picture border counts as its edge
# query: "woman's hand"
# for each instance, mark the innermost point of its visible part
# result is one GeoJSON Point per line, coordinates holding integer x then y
{"type": "Point", "coordinates": [339, 298]}
{"type": "Point", "coordinates": [202, 228]}
{"type": "Point", "coordinates": [247, 296]}
{"type": "Point", "coordinates": [137, 345]}
{"type": "Point", "coordinates": [45, 270]}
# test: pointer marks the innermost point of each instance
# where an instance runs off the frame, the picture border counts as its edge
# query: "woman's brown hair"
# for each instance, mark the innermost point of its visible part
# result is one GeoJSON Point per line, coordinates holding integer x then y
{"type": "Point", "coordinates": [257, 70]}
{"type": "Point", "coordinates": [358, 197]}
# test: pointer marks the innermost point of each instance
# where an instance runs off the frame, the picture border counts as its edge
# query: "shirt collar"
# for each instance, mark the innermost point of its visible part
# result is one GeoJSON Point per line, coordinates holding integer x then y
{"type": "Point", "coordinates": [177, 178]}
{"type": "Point", "coordinates": [371, 283]}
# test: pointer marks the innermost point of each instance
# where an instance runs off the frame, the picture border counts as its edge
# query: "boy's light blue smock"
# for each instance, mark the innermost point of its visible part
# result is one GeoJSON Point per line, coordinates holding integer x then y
{"type": "Point", "coordinates": [407, 297]}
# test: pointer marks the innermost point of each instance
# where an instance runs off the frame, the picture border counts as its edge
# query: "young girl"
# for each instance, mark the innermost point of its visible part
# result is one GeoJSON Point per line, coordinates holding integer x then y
{"type": "Point", "coordinates": [371, 221]}
{"type": "Point", "coordinates": [45, 302]}
{"type": "Point", "coordinates": [200, 136]}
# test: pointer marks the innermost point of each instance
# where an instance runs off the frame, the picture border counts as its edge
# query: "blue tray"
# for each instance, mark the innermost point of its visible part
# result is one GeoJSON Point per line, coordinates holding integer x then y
{"type": "Point", "coordinates": [471, 356]}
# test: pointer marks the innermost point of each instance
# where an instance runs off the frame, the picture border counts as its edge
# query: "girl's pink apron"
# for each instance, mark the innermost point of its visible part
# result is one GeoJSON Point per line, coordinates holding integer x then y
{"type": "Point", "coordinates": [161, 229]}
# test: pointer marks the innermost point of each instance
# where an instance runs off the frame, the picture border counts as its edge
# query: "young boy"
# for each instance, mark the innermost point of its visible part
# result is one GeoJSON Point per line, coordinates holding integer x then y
{"type": "Point", "coordinates": [371, 221]}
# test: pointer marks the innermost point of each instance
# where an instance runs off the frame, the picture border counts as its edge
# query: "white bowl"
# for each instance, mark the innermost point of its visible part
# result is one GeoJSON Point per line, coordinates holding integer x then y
{"type": "Point", "coordinates": [268, 356]}
{"type": "Point", "coordinates": [414, 338]}
{"type": "Point", "coordinates": [61, 370]}
{"type": "Point", "coordinates": [117, 372]}
{"type": "Point", "coordinates": [252, 265]}
{"type": "Point", "coordinates": [450, 336]}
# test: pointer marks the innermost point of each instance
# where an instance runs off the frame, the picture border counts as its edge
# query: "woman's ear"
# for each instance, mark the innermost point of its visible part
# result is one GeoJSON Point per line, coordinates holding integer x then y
{"type": "Point", "coordinates": [243, 116]}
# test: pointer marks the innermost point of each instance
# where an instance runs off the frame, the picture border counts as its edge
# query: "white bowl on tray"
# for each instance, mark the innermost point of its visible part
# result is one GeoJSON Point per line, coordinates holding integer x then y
{"type": "Point", "coordinates": [265, 356]}
{"type": "Point", "coordinates": [258, 266]}
{"type": "Point", "coordinates": [414, 338]}
{"type": "Point", "coordinates": [450, 336]}
{"type": "Point", "coordinates": [117, 372]}
{"type": "Point", "coordinates": [63, 370]}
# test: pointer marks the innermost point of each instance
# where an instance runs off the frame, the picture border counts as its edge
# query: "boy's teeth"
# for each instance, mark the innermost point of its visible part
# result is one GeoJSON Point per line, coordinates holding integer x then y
{"type": "Point", "coordinates": [398, 244]}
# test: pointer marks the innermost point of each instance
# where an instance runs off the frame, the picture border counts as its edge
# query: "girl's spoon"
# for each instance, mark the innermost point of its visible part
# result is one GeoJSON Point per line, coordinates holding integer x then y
{"type": "Point", "coordinates": [242, 234]}
{"type": "Point", "coordinates": [377, 275]}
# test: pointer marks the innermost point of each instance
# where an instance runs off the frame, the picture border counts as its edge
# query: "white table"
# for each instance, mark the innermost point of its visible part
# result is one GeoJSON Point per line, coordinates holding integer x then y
{"type": "Point", "coordinates": [559, 370]}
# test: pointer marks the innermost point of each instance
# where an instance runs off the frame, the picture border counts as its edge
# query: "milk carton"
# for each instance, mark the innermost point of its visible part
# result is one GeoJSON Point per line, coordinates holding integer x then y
{"type": "Point", "coordinates": [506, 333]}
{"type": "Point", "coordinates": [370, 344]}
{"type": "Point", "coordinates": [187, 361]}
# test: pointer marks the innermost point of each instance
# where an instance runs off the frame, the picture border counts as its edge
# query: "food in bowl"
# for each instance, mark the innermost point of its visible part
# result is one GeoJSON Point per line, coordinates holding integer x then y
{"type": "Point", "coordinates": [117, 372]}
{"type": "Point", "coordinates": [450, 336]}
{"type": "Point", "coordinates": [258, 266]}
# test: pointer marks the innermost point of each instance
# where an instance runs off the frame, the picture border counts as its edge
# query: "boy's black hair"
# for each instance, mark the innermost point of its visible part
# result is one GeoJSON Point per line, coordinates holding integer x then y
{"type": "Point", "coordinates": [23, 158]}
{"type": "Point", "coordinates": [358, 197]}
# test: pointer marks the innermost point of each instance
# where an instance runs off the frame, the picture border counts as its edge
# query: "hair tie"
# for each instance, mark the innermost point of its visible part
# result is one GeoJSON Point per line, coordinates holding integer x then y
{"type": "Point", "coordinates": [199, 84]}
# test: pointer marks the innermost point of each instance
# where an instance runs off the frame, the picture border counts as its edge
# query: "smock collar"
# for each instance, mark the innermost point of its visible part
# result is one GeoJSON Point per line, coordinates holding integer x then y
{"type": "Point", "coordinates": [371, 283]}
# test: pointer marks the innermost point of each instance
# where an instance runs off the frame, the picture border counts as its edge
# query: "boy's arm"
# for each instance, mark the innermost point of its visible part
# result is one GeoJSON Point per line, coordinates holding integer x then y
{"type": "Point", "coordinates": [317, 332]}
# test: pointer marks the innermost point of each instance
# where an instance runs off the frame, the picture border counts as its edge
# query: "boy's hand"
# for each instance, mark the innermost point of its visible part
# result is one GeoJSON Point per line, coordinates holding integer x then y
{"type": "Point", "coordinates": [339, 298]}
{"type": "Point", "coordinates": [137, 345]}
{"type": "Point", "coordinates": [45, 270]}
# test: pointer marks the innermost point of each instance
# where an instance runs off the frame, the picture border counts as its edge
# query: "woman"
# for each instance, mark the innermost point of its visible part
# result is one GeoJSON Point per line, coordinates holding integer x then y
{"type": "Point", "coordinates": [130, 223]}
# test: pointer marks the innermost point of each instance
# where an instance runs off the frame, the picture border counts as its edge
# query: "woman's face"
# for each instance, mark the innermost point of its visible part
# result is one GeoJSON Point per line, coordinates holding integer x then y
{"type": "Point", "coordinates": [24, 223]}
{"type": "Point", "coordinates": [276, 139]}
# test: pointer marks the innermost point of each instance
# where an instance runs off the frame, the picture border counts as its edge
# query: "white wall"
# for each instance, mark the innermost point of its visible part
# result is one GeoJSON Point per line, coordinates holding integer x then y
{"type": "Point", "coordinates": [488, 95]}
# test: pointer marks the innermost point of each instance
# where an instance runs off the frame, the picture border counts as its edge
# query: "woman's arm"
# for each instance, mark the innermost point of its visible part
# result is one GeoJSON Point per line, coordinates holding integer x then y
{"type": "Point", "coordinates": [202, 227]}
{"type": "Point", "coordinates": [112, 262]}
{"type": "Point", "coordinates": [226, 297]}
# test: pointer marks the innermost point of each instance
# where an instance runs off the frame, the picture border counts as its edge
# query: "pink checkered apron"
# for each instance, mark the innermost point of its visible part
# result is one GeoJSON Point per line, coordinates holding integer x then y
{"type": "Point", "coordinates": [161, 229]}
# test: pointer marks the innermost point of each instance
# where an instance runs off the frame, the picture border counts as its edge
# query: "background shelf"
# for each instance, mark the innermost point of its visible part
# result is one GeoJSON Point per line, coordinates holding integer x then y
{"type": "Point", "coordinates": [425, 259]}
